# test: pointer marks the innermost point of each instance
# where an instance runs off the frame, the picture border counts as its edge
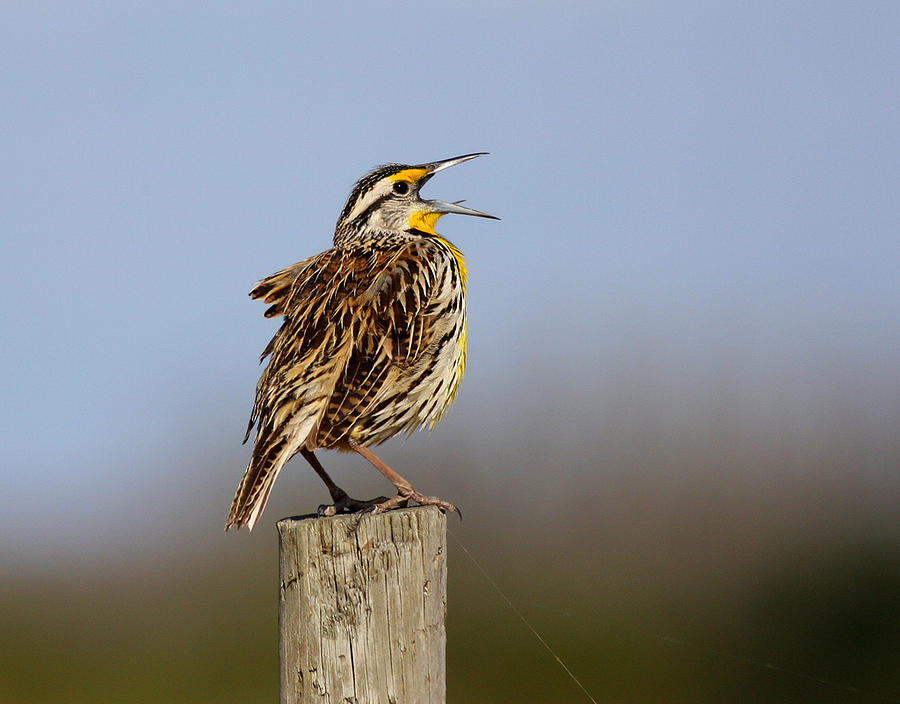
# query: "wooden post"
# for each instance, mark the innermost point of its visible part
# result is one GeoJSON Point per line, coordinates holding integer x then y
{"type": "Point", "coordinates": [363, 603]}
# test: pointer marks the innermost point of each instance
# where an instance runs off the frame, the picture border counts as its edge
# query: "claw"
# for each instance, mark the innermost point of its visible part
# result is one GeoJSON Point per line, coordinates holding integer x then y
{"type": "Point", "coordinates": [346, 504]}
{"type": "Point", "coordinates": [404, 496]}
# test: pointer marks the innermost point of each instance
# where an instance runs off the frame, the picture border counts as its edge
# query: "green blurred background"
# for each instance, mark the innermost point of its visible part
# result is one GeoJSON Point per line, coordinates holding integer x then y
{"type": "Point", "coordinates": [677, 444]}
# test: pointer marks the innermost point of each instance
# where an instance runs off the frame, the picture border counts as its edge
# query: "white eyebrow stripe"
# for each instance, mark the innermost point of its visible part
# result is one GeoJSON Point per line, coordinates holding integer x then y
{"type": "Point", "coordinates": [376, 192]}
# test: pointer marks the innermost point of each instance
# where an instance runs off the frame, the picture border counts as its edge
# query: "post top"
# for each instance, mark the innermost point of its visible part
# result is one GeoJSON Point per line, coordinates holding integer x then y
{"type": "Point", "coordinates": [356, 518]}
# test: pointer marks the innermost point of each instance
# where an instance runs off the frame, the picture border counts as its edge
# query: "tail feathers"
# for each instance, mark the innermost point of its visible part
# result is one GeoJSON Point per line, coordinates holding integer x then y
{"type": "Point", "coordinates": [256, 484]}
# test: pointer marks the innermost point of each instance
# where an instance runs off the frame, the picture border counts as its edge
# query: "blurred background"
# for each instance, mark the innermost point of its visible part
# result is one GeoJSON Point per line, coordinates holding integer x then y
{"type": "Point", "coordinates": [677, 444]}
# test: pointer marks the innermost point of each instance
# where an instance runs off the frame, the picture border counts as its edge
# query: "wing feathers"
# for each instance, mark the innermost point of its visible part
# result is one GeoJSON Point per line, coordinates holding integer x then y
{"type": "Point", "coordinates": [353, 318]}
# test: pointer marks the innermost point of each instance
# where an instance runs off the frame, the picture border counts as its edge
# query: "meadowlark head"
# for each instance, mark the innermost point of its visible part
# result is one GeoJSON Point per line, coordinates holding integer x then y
{"type": "Point", "coordinates": [386, 201]}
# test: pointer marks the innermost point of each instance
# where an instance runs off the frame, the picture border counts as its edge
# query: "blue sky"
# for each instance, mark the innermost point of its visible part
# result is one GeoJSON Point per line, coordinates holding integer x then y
{"type": "Point", "coordinates": [713, 185]}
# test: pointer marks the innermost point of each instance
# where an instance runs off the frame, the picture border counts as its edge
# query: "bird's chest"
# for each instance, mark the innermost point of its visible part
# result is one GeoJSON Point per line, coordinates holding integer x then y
{"type": "Point", "coordinates": [447, 311]}
{"type": "Point", "coordinates": [435, 376]}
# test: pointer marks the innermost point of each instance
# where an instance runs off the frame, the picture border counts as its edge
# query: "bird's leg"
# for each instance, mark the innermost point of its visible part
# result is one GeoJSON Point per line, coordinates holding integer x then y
{"type": "Point", "coordinates": [342, 502]}
{"type": "Point", "coordinates": [405, 490]}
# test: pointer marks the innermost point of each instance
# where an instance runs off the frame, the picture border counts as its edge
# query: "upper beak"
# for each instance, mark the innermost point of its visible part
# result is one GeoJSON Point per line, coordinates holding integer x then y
{"type": "Point", "coordinates": [436, 166]}
{"type": "Point", "coordinates": [441, 206]}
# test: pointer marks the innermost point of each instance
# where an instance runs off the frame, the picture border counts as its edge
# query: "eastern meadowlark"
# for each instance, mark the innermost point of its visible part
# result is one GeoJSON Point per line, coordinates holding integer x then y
{"type": "Point", "coordinates": [373, 341]}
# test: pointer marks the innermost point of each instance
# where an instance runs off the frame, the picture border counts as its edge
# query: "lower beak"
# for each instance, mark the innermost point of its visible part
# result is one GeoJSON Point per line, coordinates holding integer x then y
{"type": "Point", "coordinates": [442, 207]}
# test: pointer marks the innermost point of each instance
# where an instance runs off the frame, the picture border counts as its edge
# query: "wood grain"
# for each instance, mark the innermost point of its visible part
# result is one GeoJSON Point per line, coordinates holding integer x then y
{"type": "Point", "coordinates": [362, 608]}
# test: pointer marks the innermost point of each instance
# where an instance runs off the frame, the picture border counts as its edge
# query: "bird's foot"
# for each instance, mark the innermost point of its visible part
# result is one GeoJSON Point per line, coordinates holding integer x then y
{"type": "Point", "coordinates": [346, 504]}
{"type": "Point", "coordinates": [404, 496]}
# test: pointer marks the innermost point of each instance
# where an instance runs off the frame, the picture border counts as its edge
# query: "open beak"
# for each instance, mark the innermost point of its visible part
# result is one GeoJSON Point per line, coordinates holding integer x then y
{"type": "Point", "coordinates": [441, 206]}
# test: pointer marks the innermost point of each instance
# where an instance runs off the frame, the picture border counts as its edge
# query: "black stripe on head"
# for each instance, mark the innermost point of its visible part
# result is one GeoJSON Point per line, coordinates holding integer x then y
{"type": "Point", "coordinates": [365, 184]}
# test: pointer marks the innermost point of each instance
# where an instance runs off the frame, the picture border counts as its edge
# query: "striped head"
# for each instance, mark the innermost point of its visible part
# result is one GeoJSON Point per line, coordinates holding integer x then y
{"type": "Point", "coordinates": [386, 202]}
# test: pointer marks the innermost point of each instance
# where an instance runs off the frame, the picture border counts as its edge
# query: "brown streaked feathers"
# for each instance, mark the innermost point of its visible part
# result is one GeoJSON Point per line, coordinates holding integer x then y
{"type": "Point", "coordinates": [356, 321]}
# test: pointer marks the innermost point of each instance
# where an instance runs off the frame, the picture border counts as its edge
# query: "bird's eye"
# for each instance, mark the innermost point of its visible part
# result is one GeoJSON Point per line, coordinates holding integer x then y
{"type": "Point", "coordinates": [401, 187]}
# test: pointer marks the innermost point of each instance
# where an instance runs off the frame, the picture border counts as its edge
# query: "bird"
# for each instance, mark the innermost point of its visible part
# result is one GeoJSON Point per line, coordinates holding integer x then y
{"type": "Point", "coordinates": [372, 342]}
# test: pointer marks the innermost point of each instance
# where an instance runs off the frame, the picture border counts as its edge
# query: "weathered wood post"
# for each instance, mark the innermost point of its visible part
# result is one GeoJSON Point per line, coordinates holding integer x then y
{"type": "Point", "coordinates": [363, 603]}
